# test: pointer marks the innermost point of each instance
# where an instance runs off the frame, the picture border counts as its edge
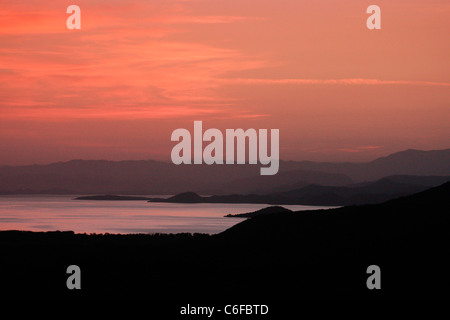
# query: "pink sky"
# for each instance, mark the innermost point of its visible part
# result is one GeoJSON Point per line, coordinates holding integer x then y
{"type": "Point", "coordinates": [137, 70]}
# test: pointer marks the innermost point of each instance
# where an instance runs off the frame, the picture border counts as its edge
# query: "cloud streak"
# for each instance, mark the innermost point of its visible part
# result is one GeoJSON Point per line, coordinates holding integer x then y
{"type": "Point", "coordinates": [351, 81]}
{"type": "Point", "coordinates": [310, 68]}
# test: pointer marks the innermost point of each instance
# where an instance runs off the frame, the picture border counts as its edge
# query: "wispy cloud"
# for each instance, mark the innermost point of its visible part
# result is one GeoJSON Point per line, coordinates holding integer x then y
{"type": "Point", "coordinates": [39, 111]}
{"type": "Point", "coordinates": [354, 81]}
{"type": "Point", "coordinates": [321, 77]}
{"type": "Point", "coordinates": [123, 63]}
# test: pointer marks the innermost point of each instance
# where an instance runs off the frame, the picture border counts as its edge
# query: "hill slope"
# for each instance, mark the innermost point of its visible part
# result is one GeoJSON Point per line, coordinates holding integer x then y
{"type": "Point", "coordinates": [279, 255]}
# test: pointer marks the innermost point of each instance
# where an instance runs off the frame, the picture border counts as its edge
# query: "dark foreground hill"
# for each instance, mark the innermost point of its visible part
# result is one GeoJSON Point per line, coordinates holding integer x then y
{"type": "Point", "coordinates": [283, 255]}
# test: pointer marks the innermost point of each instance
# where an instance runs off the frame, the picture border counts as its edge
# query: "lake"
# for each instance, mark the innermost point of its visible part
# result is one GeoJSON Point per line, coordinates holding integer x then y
{"type": "Point", "coordinates": [60, 212]}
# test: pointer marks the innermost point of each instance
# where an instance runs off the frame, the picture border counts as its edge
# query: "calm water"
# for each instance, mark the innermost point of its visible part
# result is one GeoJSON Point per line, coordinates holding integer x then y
{"type": "Point", "coordinates": [49, 212]}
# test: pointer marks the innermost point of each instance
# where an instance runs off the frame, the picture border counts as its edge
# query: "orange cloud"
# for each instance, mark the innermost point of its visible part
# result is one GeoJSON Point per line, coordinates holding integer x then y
{"type": "Point", "coordinates": [333, 82]}
{"type": "Point", "coordinates": [309, 68]}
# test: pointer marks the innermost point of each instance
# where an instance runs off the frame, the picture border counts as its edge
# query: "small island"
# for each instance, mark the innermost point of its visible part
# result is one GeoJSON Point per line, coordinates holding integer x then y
{"type": "Point", "coordinates": [185, 197]}
{"type": "Point", "coordinates": [268, 210]}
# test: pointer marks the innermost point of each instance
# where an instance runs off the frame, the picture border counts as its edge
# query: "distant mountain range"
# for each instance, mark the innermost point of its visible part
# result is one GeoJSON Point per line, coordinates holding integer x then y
{"type": "Point", "coordinates": [268, 210]}
{"type": "Point", "coordinates": [154, 177]}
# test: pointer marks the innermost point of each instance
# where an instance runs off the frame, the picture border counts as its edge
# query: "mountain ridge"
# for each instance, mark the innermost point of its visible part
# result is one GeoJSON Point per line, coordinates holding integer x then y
{"type": "Point", "coordinates": [157, 177]}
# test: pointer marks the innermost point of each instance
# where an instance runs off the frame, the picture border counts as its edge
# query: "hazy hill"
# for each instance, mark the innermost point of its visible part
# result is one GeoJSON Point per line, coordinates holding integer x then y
{"type": "Point", "coordinates": [154, 177]}
{"type": "Point", "coordinates": [418, 211]}
{"type": "Point", "coordinates": [364, 193]}
{"type": "Point", "coordinates": [282, 181]}
{"type": "Point", "coordinates": [268, 210]}
{"type": "Point", "coordinates": [409, 162]}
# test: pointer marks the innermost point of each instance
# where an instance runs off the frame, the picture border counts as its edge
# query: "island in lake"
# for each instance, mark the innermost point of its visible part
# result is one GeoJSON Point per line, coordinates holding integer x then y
{"type": "Point", "coordinates": [371, 192]}
{"type": "Point", "coordinates": [268, 210]}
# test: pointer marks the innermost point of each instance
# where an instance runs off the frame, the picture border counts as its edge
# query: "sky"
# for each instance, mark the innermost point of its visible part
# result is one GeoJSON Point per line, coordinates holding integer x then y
{"type": "Point", "coordinates": [139, 69]}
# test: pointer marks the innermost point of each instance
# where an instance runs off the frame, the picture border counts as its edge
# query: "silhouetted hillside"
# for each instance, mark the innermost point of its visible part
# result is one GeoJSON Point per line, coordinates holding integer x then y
{"type": "Point", "coordinates": [185, 197]}
{"type": "Point", "coordinates": [154, 177]}
{"type": "Point", "coordinates": [268, 210]}
{"type": "Point", "coordinates": [427, 181]}
{"type": "Point", "coordinates": [418, 211]}
{"type": "Point", "coordinates": [284, 255]}
{"type": "Point", "coordinates": [407, 237]}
